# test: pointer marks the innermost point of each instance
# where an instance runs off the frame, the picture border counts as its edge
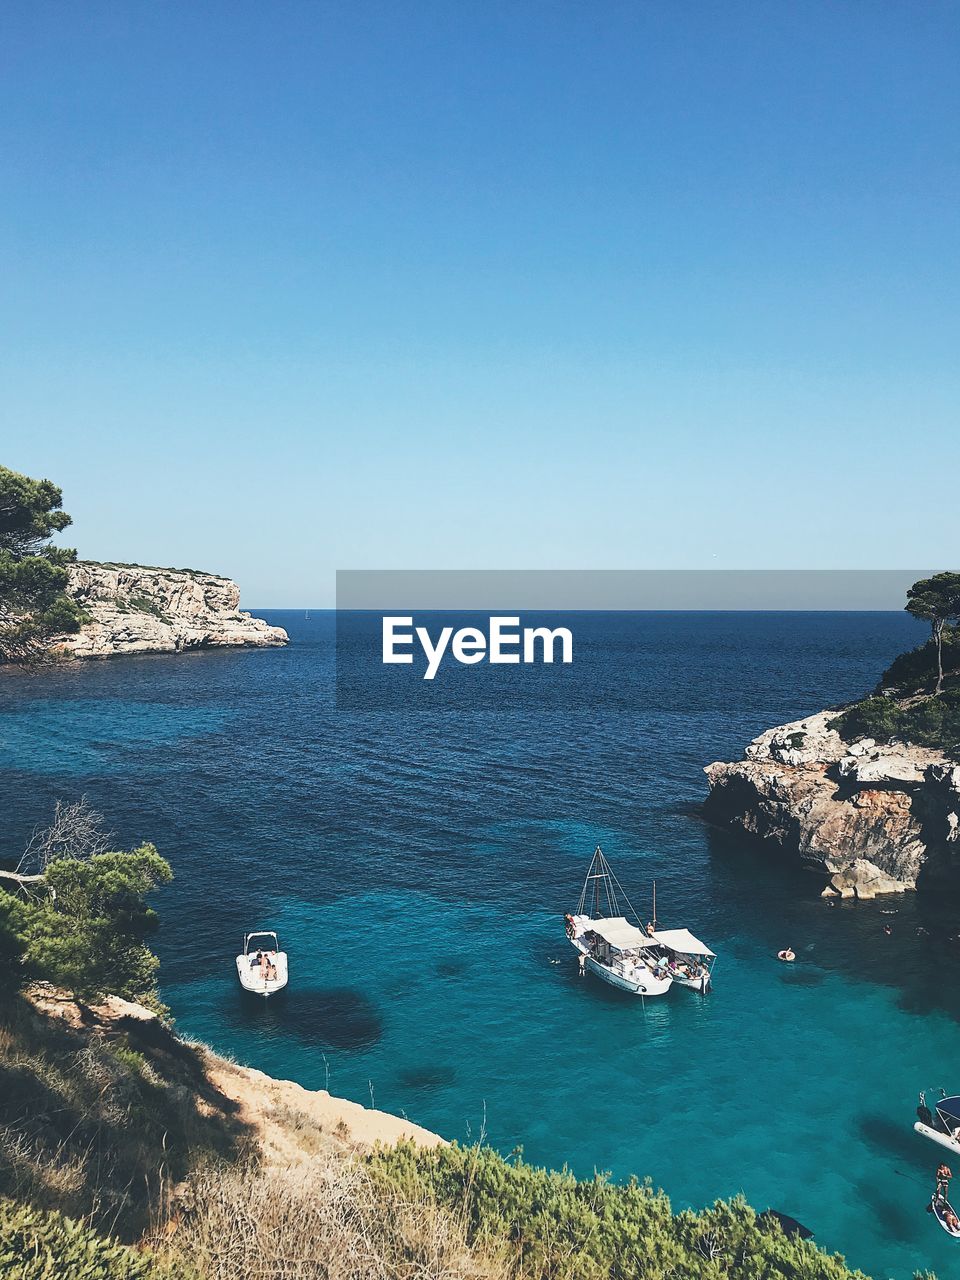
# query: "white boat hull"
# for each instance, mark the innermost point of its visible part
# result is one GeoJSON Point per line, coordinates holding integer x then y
{"type": "Point", "coordinates": [938, 1136]}
{"type": "Point", "coordinates": [701, 984]}
{"type": "Point", "coordinates": [646, 985]}
{"type": "Point", "coordinates": [635, 982]}
{"type": "Point", "coordinates": [251, 980]}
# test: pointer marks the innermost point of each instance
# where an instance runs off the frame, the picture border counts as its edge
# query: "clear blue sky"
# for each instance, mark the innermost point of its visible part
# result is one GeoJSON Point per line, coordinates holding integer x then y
{"type": "Point", "coordinates": [292, 287]}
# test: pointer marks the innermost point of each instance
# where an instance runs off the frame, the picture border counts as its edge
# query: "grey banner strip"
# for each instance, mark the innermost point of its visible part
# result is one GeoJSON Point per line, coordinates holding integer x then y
{"type": "Point", "coordinates": [625, 589]}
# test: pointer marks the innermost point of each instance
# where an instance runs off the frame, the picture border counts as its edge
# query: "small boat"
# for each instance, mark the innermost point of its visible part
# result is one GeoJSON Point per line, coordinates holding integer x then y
{"type": "Point", "coordinates": [261, 965]}
{"type": "Point", "coordinates": [942, 1125]}
{"type": "Point", "coordinates": [688, 961]}
{"type": "Point", "coordinates": [945, 1215]}
{"type": "Point", "coordinates": [612, 948]}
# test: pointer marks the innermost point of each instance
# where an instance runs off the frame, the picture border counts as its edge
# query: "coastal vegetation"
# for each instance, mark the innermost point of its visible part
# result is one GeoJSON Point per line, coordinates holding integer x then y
{"type": "Point", "coordinates": [918, 697]}
{"type": "Point", "coordinates": [550, 1225]}
{"type": "Point", "coordinates": [39, 1245]}
{"type": "Point", "coordinates": [54, 607]}
{"type": "Point", "coordinates": [81, 919]}
{"type": "Point", "coordinates": [34, 605]}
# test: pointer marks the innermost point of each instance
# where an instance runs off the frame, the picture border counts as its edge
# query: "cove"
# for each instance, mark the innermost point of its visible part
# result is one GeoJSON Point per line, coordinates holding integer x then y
{"type": "Point", "coordinates": [418, 868]}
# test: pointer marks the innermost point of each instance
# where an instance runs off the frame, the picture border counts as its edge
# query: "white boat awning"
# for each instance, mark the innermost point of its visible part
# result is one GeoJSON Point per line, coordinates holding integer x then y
{"type": "Point", "coordinates": [682, 940]}
{"type": "Point", "coordinates": [619, 933]}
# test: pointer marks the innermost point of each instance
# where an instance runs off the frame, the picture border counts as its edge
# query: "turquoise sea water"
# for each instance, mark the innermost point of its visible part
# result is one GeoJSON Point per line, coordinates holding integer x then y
{"type": "Point", "coordinates": [417, 868]}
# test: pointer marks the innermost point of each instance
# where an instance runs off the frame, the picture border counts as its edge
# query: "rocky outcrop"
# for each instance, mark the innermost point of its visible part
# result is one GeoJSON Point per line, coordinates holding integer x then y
{"type": "Point", "coordinates": [874, 818]}
{"type": "Point", "coordinates": [134, 609]}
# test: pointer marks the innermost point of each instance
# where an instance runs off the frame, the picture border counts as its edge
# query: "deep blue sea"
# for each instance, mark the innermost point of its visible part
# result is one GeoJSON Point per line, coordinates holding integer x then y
{"type": "Point", "coordinates": [417, 867]}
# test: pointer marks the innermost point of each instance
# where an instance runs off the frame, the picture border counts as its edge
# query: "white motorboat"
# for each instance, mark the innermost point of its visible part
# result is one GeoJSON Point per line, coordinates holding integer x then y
{"type": "Point", "coordinates": [612, 948]}
{"type": "Point", "coordinates": [942, 1125]}
{"type": "Point", "coordinates": [687, 960]}
{"type": "Point", "coordinates": [261, 965]}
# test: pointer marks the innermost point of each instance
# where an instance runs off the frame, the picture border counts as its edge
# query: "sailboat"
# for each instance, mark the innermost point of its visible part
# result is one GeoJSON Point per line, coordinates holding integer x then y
{"type": "Point", "coordinates": [609, 946]}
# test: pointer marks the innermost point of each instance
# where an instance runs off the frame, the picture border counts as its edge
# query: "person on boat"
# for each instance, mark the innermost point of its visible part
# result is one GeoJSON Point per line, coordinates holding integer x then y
{"type": "Point", "coordinates": [951, 1219]}
{"type": "Point", "coordinates": [944, 1174]}
{"type": "Point", "coordinates": [256, 962]}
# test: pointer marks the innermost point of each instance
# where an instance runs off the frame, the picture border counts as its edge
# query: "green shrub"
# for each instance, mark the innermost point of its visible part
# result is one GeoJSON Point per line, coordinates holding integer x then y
{"type": "Point", "coordinates": [38, 1245]}
{"type": "Point", "coordinates": [89, 933]}
{"type": "Point", "coordinates": [12, 918]}
{"type": "Point", "coordinates": [875, 717]}
{"type": "Point", "coordinates": [928, 722]}
{"type": "Point", "coordinates": [552, 1226]}
{"type": "Point", "coordinates": [916, 670]}
{"type": "Point", "coordinates": [143, 604]}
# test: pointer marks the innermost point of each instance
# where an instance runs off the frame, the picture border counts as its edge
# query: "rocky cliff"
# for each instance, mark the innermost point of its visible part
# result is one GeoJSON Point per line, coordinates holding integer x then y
{"type": "Point", "coordinates": [873, 818]}
{"type": "Point", "coordinates": [135, 609]}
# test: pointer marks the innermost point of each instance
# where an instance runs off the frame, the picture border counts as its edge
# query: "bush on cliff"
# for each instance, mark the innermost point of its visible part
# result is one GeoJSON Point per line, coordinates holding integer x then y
{"type": "Point", "coordinates": [12, 923]}
{"type": "Point", "coordinates": [551, 1226]}
{"type": "Point", "coordinates": [918, 697]}
{"type": "Point", "coordinates": [928, 722]}
{"type": "Point", "coordinates": [38, 1245]}
{"type": "Point", "coordinates": [88, 931]}
{"type": "Point", "coordinates": [916, 670]}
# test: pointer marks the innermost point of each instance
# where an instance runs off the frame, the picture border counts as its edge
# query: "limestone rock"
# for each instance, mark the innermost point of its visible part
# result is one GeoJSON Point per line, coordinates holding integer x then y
{"type": "Point", "coordinates": [865, 880]}
{"type": "Point", "coordinates": [873, 817]}
{"type": "Point", "coordinates": [135, 609]}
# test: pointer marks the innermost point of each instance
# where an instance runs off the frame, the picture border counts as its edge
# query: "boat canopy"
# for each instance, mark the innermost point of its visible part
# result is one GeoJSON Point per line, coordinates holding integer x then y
{"type": "Point", "coordinates": [620, 933]}
{"type": "Point", "coordinates": [268, 934]}
{"type": "Point", "coordinates": [682, 940]}
{"type": "Point", "coordinates": [949, 1109]}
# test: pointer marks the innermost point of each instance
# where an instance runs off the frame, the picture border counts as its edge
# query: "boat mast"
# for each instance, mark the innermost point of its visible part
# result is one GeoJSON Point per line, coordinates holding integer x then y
{"type": "Point", "coordinates": [654, 920]}
{"type": "Point", "coordinates": [601, 877]}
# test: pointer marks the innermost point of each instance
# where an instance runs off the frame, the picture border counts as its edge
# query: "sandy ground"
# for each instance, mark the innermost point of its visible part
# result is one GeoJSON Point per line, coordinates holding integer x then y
{"type": "Point", "coordinates": [291, 1123]}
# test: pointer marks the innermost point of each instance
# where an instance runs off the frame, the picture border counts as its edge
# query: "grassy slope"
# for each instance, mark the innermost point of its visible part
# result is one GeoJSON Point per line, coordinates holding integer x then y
{"type": "Point", "coordinates": [98, 1117]}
